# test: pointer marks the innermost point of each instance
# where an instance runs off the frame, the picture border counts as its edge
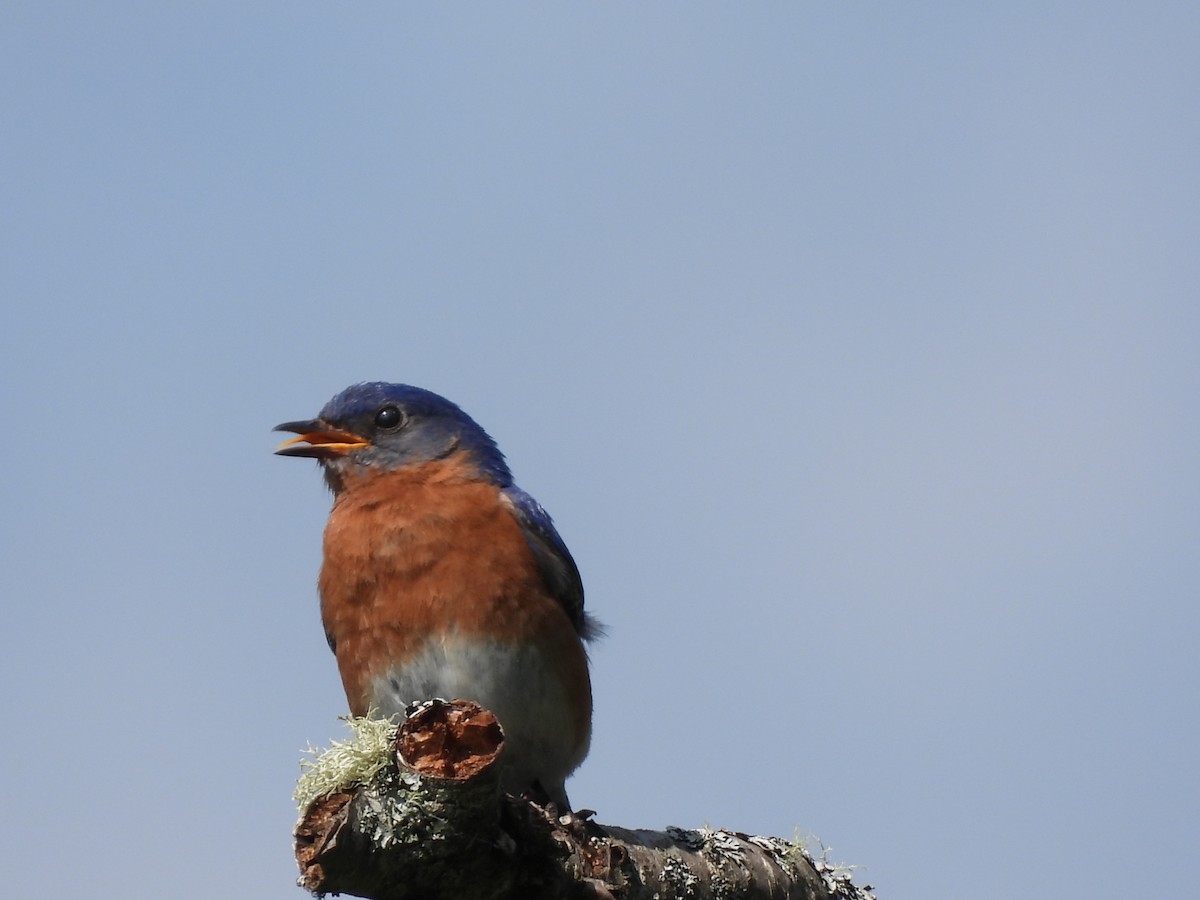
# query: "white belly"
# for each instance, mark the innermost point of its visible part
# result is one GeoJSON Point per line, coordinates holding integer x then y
{"type": "Point", "coordinates": [515, 683]}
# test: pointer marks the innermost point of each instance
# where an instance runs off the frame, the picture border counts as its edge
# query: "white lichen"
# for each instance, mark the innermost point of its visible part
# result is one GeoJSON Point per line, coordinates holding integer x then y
{"type": "Point", "coordinates": [690, 838]}
{"type": "Point", "coordinates": [679, 876]}
{"type": "Point", "coordinates": [837, 876]}
{"type": "Point", "coordinates": [721, 847]}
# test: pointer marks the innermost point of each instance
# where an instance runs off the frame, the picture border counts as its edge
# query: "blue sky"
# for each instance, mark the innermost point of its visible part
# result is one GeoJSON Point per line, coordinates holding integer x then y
{"type": "Point", "coordinates": [854, 348]}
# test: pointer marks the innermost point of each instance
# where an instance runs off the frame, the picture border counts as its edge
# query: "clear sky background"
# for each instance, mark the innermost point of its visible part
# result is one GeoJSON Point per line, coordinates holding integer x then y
{"type": "Point", "coordinates": [855, 348]}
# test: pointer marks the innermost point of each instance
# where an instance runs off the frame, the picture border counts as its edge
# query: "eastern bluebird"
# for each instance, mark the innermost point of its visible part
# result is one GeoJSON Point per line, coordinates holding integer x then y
{"type": "Point", "coordinates": [442, 578]}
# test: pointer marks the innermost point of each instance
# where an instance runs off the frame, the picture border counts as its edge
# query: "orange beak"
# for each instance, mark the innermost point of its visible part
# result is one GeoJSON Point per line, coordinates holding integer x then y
{"type": "Point", "coordinates": [317, 440]}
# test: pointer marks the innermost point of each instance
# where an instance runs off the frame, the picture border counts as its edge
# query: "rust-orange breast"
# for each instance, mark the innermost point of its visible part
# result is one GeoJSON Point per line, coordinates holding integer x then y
{"type": "Point", "coordinates": [414, 553]}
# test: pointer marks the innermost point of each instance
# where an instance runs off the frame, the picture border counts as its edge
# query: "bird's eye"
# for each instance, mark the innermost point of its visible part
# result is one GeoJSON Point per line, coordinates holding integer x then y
{"type": "Point", "coordinates": [388, 417]}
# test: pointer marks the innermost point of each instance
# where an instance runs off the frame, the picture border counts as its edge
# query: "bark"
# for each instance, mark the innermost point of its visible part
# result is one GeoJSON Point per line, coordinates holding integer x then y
{"type": "Point", "coordinates": [437, 825]}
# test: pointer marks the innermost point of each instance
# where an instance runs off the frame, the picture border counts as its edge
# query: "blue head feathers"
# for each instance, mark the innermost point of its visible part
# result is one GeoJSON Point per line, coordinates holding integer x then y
{"type": "Point", "coordinates": [377, 425]}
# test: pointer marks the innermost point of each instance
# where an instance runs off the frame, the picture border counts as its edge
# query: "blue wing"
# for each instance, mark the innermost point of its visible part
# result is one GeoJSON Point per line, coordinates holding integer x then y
{"type": "Point", "coordinates": [553, 559]}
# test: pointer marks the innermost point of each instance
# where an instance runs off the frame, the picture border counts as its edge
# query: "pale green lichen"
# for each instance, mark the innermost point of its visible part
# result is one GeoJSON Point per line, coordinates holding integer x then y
{"type": "Point", "coordinates": [346, 763]}
{"type": "Point", "coordinates": [395, 810]}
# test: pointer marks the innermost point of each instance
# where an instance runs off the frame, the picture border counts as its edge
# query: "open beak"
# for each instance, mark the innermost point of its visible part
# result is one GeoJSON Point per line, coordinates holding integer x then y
{"type": "Point", "coordinates": [316, 439]}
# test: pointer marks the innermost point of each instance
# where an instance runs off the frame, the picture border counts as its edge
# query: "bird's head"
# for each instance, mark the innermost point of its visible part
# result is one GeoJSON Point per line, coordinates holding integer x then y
{"type": "Point", "coordinates": [376, 426]}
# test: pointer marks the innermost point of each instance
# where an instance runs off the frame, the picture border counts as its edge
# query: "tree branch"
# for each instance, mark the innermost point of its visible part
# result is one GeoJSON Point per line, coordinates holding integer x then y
{"type": "Point", "coordinates": [434, 823]}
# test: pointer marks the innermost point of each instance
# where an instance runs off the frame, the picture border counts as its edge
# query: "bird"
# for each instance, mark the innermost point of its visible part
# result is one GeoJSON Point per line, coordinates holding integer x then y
{"type": "Point", "coordinates": [442, 578]}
